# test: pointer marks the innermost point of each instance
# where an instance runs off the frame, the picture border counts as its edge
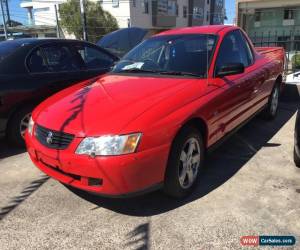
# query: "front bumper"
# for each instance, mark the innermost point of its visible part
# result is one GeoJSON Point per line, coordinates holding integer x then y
{"type": "Point", "coordinates": [108, 176]}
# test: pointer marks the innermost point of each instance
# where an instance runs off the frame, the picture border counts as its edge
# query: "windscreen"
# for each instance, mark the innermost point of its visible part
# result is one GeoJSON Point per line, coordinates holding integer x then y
{"type": "Point", "coordinates": [121, 41]}
{"type": "Point", "coordinates": [177, 54]}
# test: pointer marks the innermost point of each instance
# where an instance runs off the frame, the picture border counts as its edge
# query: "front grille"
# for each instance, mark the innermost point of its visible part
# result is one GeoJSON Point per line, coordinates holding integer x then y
{"type": "Point", "coordinates": [53, 139]}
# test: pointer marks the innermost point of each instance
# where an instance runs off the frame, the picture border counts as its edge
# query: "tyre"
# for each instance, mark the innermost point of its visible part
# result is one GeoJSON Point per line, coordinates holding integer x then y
{"type": "Point", "coordinates": [270, 111]}
{"type": "Point", "coordinates": [296, 159]}
{"type": "Point", "coordinates": [17, 126]}
{"type": "Point", "coordinates": [185, 163]}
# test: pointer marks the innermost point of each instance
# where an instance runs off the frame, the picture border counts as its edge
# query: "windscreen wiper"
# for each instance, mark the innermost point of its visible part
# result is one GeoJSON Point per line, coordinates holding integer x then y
{"type": "Point", "coordinates": [137, 70]}
{"type": "Point", "coordinates": [179, 73]}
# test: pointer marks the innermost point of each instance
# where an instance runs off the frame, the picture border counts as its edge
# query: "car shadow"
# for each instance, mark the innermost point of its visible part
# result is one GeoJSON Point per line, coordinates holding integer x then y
{"type": "Point", "coordinates": [221, 165]}
{"type": "Point", "coordinates": [7, 150]}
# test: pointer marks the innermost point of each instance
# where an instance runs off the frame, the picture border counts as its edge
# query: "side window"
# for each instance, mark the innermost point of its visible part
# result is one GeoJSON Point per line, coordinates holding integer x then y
{"type": "Point", "coordinates": [52, 58]}
{"type": "Point", "coordinates": [36, 63]}
{"type": "Point", "coordinates": [232, 50]}
{"type": "Point", "coordinates": [60, 58]}
{"type": "Point", "coordinates": [248, 50]}
{"type": "Point", "coordinates": [94, 58]}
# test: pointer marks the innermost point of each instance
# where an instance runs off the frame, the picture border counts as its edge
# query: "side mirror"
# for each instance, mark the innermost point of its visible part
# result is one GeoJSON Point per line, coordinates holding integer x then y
{"type": "Point", "coordinates": [230, 69]}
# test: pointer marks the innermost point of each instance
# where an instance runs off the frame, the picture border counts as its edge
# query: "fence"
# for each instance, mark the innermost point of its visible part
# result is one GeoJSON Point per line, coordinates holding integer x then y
{"type": "Point", "coordinates": [289, 41]}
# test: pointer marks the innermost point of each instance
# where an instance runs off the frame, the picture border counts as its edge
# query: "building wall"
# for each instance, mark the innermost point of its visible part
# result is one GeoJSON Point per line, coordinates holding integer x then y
{"type": "Point", "coordinates": [120, 10]}
{"type": "Point", "coordinates": [43, 11]}
{"type": "Point", "coordinates": [182, 21]}
{"type": "Point", "coordinates": [266, 23]}
{"type": "Point", "coordinates": [137, 16]}
{"type": "Point", "coordinates": [217, 12]}
{"type": "Point", "coordinates": [161, 14]}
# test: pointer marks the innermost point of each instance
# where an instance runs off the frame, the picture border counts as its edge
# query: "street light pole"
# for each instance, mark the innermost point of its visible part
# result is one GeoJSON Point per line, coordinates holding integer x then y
{"type": "Point", "coordinates": [83, 19]}
{"type": "Point", "coordinates": [3, 18]}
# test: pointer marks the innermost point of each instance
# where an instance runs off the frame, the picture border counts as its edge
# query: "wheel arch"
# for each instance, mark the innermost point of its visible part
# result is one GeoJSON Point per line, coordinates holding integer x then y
{"type": "Point", "coordinates": [279, 81]}
{"type": "Point", "coordinates": [198, 123]}
{"type": "Point", "coordinates": [16, 108]}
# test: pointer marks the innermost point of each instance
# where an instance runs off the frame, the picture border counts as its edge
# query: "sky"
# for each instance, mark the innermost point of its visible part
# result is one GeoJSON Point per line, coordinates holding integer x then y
{"type": "Point", "coordinates": [230, 11]}
{"type": "Point", "coordinates": [16, 12]}
{"type": "Point", "coordinates": [20, 14]}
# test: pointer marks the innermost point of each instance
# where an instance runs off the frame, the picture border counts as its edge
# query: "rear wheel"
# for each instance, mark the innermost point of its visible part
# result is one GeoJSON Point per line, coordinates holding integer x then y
{"type": "Point", "coordinates": [17, 126]}
{"type": "Point", "coordinates": [185, 163]}
{"type": "Point", "coordinates": [270, 111]}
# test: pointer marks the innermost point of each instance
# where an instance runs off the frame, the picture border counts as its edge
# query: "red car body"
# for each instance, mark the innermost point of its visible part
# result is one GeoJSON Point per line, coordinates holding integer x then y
{"type": "Point", "coordinates": [158, 108]}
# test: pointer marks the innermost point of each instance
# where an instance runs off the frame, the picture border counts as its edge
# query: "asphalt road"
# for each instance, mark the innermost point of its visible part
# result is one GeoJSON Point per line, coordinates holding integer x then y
{"type": "Point", "coordinates": [250, 187]}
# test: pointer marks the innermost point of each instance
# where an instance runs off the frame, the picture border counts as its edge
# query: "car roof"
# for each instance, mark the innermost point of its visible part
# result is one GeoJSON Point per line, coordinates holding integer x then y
{"type": "Point", "coordinates": [36, 41]}
{"type": "Point", "coordinates": [206, 29]}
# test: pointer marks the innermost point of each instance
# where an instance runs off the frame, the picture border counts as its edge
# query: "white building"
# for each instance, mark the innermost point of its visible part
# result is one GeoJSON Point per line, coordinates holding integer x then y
{"type": "Point", "coordinates": [41, 12]}
{"type": "Point", "coordinates": [149, 14]}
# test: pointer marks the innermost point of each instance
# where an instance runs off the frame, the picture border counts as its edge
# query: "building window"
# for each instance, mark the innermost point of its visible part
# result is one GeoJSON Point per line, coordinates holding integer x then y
{"type": "Point", "coordinates": [115, 3]}
{"type": "Point", "coordinates": [219, 3]}
{"type": "Point", "coordinates": [288, 14]}
{"type": "Point", "coordinates": [177, 9]}
{"type": "Point", "coordinates": [207, 1]}
{"type": "Point", "coordinates": [197, 13]}
{"type": "Point", "coordinates": [184, 11]}
{"type": "Point", "coordinates": [257, 16]}
{"type": "Point", "coordinates": [207, 16]}
{"type": "Point", "coordinates": [134, 3]}
{"type": "Point", "coordinates": [145, 6]}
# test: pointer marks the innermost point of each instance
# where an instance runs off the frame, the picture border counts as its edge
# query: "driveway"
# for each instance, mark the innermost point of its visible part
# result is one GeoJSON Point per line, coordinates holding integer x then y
{"type": "Point", "coordinates": [250, 187]}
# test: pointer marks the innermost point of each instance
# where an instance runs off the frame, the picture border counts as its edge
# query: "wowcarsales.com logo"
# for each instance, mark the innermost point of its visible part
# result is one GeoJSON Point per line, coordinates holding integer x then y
{"type": "Point", "coordinates": [268, 240]}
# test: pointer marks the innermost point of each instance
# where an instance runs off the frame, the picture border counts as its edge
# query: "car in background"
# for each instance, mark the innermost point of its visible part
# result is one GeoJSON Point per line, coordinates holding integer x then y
{"type": "Point", "coordinates": [33, 69]}
{"type": "Point", "coordinates": [121, 41]}
{"type": "Point", "coordinates": [297, 141]}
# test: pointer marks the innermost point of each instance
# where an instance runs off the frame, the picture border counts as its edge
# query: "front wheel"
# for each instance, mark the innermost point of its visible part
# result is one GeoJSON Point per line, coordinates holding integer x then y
{"type": "Point", "coordinates": [17, 126]}
{"type": "Point", "coordinates": [185, 163]}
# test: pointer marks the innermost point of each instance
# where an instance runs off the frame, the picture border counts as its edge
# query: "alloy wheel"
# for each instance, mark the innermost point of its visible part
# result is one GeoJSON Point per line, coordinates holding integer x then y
{"type": "Point", "coordinates": [24, 124]}
{"type": "Point", "coordinates": [274, 101]}
{"type": "Point", "coordinates": [189, 163]}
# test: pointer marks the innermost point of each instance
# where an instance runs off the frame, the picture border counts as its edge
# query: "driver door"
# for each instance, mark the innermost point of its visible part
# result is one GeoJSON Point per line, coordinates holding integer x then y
{"type": "Point", "coordinates": [234, 101]}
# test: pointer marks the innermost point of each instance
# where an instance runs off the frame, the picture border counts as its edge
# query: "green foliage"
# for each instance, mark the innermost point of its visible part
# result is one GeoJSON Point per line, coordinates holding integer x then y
{"type": "Point", "coordinates": [296, 61]}
{"type": "Point", "coordinates": [99, 22]}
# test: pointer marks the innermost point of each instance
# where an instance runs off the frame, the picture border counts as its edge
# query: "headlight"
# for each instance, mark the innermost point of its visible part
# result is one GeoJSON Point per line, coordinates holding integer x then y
{"type": "Point", "coordinates": [109, 145]}
{"type": "Point", "coordinates": [30, 126]}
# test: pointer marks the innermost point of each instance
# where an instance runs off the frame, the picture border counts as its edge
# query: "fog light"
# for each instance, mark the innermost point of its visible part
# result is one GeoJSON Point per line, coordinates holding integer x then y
{"type": "Point", "coordinates": [94, 182]}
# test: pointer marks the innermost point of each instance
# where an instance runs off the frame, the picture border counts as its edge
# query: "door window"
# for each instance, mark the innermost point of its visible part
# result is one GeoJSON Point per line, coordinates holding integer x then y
{"type": "Point", "coordinates": [53, 58]}
{"type": "Point", "coordinates": [233, 50]}
{"type": "Point", "coordinates": [36, 62]}
{"type": "Point", "coordinates": [250, 56]}
{"type": "Point", "coordinates": [94, 58]}
{"type": "Point", "coordinates": [60, 58]}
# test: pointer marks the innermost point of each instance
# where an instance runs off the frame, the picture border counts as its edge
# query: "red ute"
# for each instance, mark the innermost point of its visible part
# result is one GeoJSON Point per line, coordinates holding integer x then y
{"type": "Point", "coordinates": [148, 123]}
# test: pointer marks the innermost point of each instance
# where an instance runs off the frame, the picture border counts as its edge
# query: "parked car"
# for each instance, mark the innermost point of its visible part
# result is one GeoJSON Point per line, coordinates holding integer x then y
{"type": "Point", "coordinates": [33, 69]}
{"type": "Point", "coordinates": [121, 41]}
{"type": "Point", "coordinates": [149, 122]}
{"type": "Point", "coordinates": [297, 141]}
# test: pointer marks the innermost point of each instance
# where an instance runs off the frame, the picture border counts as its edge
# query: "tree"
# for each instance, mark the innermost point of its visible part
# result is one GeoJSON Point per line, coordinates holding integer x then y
{"type": "Point", "coordinates": [99, 22]}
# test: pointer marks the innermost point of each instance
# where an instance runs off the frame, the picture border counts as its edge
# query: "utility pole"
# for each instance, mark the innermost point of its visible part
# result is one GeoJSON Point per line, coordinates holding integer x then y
{"type": "Point", "coordinates": [83, 19]}
{"type": "Point", "coordinates": [3, 18]}
{"type": "Point", "coordinates": [57, 24]}
{"type": "Point", "coordinates": [7, 13]}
